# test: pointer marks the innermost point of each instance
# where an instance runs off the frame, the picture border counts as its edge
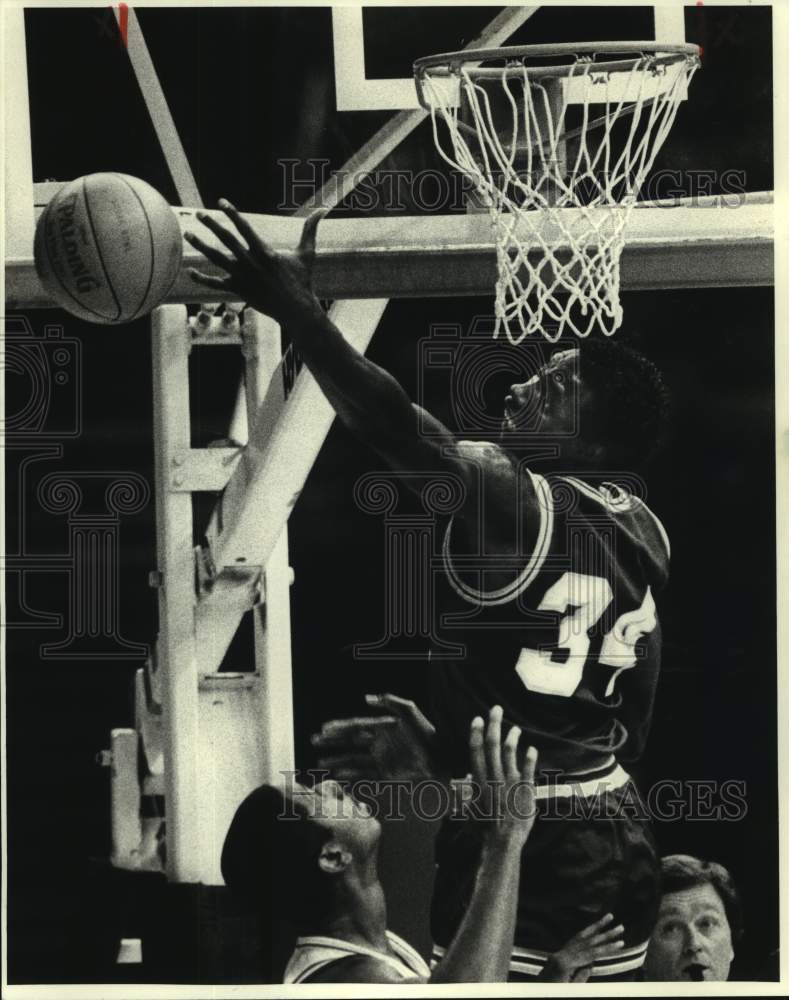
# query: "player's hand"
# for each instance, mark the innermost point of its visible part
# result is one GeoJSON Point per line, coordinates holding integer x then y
{"type": "Point", "coordinates": [506, 798]}
{"type": "Point", "coordinates": [573, 963]}
{"type": "Point", "coordinates": [396, 746]}
{"type": "Point", "coordinates": [279, 285]}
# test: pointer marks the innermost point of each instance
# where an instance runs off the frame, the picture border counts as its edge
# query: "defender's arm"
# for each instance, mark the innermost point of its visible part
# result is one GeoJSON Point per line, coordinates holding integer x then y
{"type": "Point", "coordinates": [369, 401]}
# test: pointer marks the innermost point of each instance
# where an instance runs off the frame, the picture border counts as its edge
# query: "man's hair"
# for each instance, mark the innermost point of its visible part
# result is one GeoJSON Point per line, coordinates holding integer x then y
{"type": "Point", "coordinates": [270, 860]}
{"type": "Point", "coordinates": [632, 415]}
{"type": "Point", "coordinates": [681, 871]}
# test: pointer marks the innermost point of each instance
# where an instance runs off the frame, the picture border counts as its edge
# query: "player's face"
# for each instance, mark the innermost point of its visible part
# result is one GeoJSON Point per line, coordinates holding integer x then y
{"type": "Point", "coordinates": [351, 823]}
{"type": "Point", "coordinates": [547, 402]}
{"type": "Point", "coordinates": [692, 939]}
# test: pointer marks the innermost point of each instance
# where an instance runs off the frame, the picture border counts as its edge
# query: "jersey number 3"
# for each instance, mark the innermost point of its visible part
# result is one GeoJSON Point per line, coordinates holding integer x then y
{"type": "Point", "coordinates": [582, 601]}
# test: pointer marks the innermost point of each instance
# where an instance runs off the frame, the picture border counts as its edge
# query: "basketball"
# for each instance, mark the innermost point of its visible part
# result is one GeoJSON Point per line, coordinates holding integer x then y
{"type": "Point", "coordinates": [108, 248]}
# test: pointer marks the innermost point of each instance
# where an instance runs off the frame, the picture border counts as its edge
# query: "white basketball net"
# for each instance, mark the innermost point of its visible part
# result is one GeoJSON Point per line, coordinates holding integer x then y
{"type": "Point", "coordinates": [559, 194]}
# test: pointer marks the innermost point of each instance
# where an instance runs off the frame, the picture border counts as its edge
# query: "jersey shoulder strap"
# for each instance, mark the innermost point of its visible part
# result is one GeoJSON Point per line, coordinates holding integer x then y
{"type": "Point", "coordinates": [314, 953]}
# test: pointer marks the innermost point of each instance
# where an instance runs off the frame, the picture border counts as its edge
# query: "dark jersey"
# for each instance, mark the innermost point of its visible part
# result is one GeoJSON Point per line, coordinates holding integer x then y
{"type": "Point", "coordinates": [570, 647]}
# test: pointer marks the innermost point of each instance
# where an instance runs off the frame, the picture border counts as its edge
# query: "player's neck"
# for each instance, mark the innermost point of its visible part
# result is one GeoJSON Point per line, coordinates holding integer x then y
{"type": "Point", "coordinates": [359, 915]}
{"type": "Point", "coordinates": [546, 454]}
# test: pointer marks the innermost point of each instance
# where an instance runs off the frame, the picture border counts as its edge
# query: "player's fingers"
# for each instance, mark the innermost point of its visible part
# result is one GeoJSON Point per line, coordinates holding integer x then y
{"type": "Point", "coordinates": [610, 947]}
{"type": "Point", "coordinates": [209, 280]}
{"type": "Point", "coordinates": [402, 707]}
{"type": "Point", "coordinates": [244, 227]}
{"type": "Point", "coordinates": [393, 701]}
{"type": "Point", "coordinates": [351, 739]}
{"type": "Point", "coordinates": [509, 756]}
{"type": "Point", "coordinates": [529, 765]}
{"type": "Point", "coordinates": [476, 751]}
{"type": "Point", "coordinates": [211, 253]}
{"type": "Point", "coordinates": [310, 231]}
{"type": "Point", "coordinates": [606, 937]}
{"type": "Point", "coordinates": [493, 744]}
{"type": "Point", "coordinates": [597, 926]}
{"type": "Point", "coordinates": [359, 723]}
{"type": "Point", "coordinates": [347, 739]}
{"type": "Point", "coordinates": [230, 240]}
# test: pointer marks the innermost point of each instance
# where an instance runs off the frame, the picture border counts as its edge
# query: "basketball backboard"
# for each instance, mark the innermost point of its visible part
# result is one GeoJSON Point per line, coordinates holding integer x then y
{"type": "Point", "coordinates": [375, 47]}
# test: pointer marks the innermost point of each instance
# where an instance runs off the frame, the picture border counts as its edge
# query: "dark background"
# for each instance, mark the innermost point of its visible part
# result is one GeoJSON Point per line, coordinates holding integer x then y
{"type": "Point", "coordinates": [247, 87]}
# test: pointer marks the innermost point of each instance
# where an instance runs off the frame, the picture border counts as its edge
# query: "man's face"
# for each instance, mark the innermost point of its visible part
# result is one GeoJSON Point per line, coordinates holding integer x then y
{"type": "Point", "coordinates": [351, 823]}
{"type": "Point", "coordinates": [548, 402]}
{"type": "Point", "coordinates": [692, 939]}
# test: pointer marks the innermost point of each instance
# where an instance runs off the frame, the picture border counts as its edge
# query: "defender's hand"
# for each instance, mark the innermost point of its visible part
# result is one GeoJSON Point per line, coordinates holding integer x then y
{"type": "Point", "coordinates": [397, 746]}
{"type": "Point", "coordinates": [506, 792]}
{"type": "Point", "coordinates": [276, 284]}
{"type": "Point", "coordinates": [573, 962]}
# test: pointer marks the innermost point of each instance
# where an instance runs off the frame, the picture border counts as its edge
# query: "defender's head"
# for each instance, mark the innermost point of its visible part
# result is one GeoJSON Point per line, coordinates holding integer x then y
{"type": "Point", "coordinates": [698, 922]}
{"type": "Point", "coordinates": [607, 404]}
{"type": "Point", "coordinates": [289, 853]}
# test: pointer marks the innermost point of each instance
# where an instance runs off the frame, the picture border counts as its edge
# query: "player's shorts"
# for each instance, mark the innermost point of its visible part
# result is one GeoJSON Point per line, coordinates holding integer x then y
{"type": "Point", "coordinates": [590, 852]}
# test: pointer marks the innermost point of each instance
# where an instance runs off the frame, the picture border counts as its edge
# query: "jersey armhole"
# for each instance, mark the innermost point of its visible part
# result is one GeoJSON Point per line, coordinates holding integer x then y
{"type": "Point", "coordinates": [540, 509]}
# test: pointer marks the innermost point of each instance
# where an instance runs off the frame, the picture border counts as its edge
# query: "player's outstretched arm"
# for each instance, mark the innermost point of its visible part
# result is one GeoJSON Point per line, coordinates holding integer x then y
{"type": "Point", "coordinates": [366, 398]}
{"type": "Point", "coordinates": [481, 950]}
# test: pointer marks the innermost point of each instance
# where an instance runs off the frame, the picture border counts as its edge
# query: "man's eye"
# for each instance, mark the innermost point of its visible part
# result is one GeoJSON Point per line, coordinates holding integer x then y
{"type": "Point", "coordinates": [670, 927]}
{"type": "Point", "coordinates": [708, 923]}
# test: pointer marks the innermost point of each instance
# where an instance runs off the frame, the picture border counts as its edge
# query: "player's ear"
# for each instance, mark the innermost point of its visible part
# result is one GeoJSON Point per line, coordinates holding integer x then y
{"type": "Point", "coordinates": [333, 858]}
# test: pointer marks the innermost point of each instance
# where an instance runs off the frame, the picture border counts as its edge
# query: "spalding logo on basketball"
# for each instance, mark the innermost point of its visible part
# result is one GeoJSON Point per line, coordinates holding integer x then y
{"type": "Point", "coordinates": [108, 248]}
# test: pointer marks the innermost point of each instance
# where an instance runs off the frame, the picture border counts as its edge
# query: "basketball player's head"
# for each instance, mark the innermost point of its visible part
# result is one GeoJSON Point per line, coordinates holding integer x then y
{"type": "Point", "coordinates": [292, 854]}
{"type": "Point", "coordinates": [605, 404]}
{"type": "Point", "coordinates": [698, 923]}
